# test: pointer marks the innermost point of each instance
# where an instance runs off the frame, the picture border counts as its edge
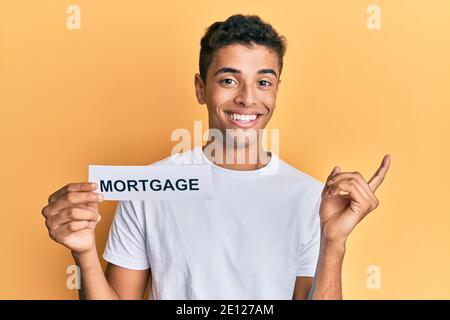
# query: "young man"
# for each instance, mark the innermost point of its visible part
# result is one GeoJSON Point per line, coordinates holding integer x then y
{"type": "Point", "coordinates": [268, 232]}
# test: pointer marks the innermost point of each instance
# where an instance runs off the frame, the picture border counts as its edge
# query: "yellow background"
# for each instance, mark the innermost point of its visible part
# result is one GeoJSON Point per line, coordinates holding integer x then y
{"type": "Point", "coordinates": [112, 92]}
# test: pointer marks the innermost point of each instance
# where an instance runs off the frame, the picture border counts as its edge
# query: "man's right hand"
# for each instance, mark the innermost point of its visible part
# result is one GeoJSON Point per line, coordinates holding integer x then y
{"type": "Point", "coordinates": [71, 216]}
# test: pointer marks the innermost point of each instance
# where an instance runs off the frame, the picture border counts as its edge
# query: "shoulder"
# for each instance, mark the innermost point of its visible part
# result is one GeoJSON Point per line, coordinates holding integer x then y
{"type": "Point", "coordinates": [299, 178]}
{"type": "Point", "coordinates": [301, 186]}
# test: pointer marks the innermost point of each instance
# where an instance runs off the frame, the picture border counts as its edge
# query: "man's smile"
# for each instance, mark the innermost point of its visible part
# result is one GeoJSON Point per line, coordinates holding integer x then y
{"type": "Point", "coordinates": [243, 120]}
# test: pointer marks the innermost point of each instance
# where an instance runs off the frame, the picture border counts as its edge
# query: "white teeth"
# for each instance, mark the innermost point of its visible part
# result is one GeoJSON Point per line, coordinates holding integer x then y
{"type": "Point", "coordinates": [242, 117]}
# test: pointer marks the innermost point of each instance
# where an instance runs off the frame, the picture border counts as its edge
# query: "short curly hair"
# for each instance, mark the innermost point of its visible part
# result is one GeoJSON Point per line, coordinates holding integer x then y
{"type": "Point", "coordinates": [239, 29]}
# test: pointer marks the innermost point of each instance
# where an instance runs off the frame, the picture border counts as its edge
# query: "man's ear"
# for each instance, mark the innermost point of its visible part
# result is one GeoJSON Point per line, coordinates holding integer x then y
{"type": "Point", "coordinates": [199, 89]}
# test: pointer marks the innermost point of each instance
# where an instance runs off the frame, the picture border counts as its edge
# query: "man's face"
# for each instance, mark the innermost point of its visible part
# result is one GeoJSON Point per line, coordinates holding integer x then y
{"type": "Point", "coordinates": [241, 87]}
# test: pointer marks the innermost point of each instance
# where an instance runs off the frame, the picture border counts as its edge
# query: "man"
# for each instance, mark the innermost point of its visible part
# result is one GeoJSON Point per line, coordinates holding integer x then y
{"type": "Point", "coordinates": [270, 231]}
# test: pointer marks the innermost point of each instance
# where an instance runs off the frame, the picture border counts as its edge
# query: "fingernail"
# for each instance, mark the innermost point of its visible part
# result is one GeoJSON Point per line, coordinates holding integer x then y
{"type": "Point", "coordinates": [99, 218]}
{"type": "Point", "coordinates": [94, 185]}
{"type": "Point", "coordinates": [101, 197]}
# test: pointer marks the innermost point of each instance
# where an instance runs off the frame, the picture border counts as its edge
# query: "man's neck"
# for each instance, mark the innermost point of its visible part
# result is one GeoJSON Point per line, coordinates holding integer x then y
{"type": "Point", "coordinates": [245, 158]}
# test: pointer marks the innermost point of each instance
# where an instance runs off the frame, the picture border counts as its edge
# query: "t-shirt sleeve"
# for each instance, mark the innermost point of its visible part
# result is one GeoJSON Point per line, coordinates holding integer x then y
{"type": "Point", "coordinates": [126, 245]}
{"type": "Point", "coordinates": [309, 249]}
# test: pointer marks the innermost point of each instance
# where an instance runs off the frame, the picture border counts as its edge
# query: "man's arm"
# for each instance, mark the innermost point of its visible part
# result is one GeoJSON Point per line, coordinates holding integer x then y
{"type": "Point", "coordinates": [128, 284]}
{"type": "Point", "coordinates": [94, 284]}
{"type": "Point", "coordinates": [115, 283]}
{"type": "Point", "coordinates": [329, 270]}
{"type": "Point", "coordinates": [71, 216]}
{"type": "Point", "coordinates": [339, 215]}
{"type": "Point", "coordinates": [302, 288]}
{"type": "Point", "coordinates": [328, 283]}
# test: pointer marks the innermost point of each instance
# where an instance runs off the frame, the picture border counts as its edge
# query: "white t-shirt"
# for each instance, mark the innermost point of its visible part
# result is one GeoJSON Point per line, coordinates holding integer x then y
{"type": "Point", "coordinates": [259, 232]}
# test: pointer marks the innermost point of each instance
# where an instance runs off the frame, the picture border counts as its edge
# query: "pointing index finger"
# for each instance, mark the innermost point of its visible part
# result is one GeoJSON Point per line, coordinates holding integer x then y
{"type": "Point", "coordinates": [378, 177]}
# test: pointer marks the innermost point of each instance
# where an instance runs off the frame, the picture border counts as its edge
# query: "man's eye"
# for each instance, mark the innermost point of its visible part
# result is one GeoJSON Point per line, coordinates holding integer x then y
{"type": "Point", "coordinates": [228, 81]}
{"type": "Point", "coordinates": [264, 83]}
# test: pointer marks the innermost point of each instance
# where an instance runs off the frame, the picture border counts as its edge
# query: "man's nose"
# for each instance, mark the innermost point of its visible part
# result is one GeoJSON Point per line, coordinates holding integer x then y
{"type": "Point", "coordinates": [246, 96]}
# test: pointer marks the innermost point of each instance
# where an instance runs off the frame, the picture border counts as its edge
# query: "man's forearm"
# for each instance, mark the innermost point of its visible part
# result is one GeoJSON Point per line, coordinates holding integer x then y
{"type": "Point", "coordinates": [95, 285]}
{"type": "Point", "coordinates": [327, 282]}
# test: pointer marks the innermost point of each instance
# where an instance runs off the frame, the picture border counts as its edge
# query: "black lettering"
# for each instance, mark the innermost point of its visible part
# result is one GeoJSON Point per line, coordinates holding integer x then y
{"type": "Point", "coordinates": [155, 185]}
{"type": "Point", "coordinates": [158, 186]}
{"type": "Point", "coordinates": [143, 184]}
{"type": "Point", "coordinates": [193, 184]}
{"type": "Point", "coordinates": [105, 187]}
{"type": "Point", "coordinates": [132, 184]}
{"type": "Point", "coordinates": [116, 185]}
{"type": "Point", "coordinates": [183, 185]}
{"type": "Point", "coordinates": [167, 185]}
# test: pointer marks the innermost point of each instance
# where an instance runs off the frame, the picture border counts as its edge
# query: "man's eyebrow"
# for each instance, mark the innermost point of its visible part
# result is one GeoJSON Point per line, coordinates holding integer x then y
{"type": "Point", "coordinates": [233, 70]}
{"type": "Point", "coordinates": [226, 70]}
{"type": "Point", "coordinates": [268, 71]}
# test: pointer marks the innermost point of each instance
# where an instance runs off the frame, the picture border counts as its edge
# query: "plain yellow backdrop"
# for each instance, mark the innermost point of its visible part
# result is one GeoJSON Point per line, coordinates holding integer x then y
{"type": "Point", "coordinates": [113, 91]}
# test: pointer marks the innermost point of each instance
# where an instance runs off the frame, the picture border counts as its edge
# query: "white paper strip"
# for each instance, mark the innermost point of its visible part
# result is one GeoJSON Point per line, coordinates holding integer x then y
{"type": "Point", "coordinates": [159, 182]}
